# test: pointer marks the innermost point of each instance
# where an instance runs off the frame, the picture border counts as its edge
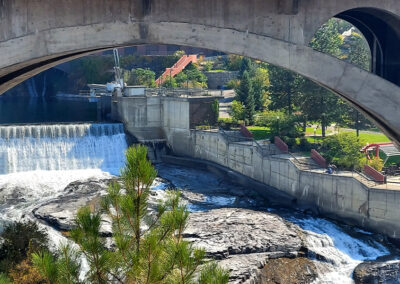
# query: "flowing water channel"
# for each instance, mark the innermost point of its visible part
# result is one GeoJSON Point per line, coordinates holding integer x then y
{"type": "Point", "coordinates": [38, 161]}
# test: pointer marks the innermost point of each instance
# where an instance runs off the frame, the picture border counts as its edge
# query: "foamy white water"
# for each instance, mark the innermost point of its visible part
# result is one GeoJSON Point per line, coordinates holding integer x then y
{"type": "Point", "coordinates": [38, 161]}
{"type": "Point", "coordinates": [341, 252]}
{"type": "Point", "coordinates": [62, 147]}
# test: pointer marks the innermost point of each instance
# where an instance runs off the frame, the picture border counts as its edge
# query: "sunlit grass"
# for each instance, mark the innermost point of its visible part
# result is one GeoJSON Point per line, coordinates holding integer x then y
{"type": "Point", "coordinates": [260, 132]}
{"type": "Point", "coordinates": [368, 137]}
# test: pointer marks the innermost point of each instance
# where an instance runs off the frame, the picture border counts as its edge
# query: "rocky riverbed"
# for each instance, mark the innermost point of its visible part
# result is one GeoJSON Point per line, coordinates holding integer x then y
{"type": "Point", "coordinates": [242, 240]}
{"type": "Point", "coordinates": [256, 243]}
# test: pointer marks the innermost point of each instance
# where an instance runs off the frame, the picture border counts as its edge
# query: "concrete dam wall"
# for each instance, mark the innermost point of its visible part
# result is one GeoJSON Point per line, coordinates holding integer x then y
{"type": "Point", "coordinates": [341, 196]}
{"type": "Point", "coordinates": [344, 198]}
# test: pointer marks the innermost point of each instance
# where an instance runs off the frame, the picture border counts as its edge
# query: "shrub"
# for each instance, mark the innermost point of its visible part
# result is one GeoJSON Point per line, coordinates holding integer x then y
{"type": "Point", "coordinates": [208, 65]}
{"type": "Point", "coordinates": [376, 163]}
{"type": "Point", "coordinates": [140, 76]}
{"type": "Point", "coordinates": [4, 279]}
{"type": "Point", "coordinates": [233, 84]}
{"type": "Point", "coordinates": [304, 144]}
{"type": "Point", "coordinates": [226, 123]}
{"type": "Point", "coordinates": [280, 124]}
{"type": "Point", "coordinates": [26, 273]}
{"type": "Point", "coordinates": [343, 150]}
{"type": "Point", "coordinates": [18, 239]}
{"type": "Point", "coordinates": [291, 142]}
{"type": "Point", "coordinates": [237, 111]}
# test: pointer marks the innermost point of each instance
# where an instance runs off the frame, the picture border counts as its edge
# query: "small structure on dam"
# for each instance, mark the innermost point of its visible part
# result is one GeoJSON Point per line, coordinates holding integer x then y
{"type": "Point", "coordinates": [152, 116]}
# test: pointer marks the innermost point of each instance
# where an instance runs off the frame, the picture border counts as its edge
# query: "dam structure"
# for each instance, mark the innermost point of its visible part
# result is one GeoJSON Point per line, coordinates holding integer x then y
{"type": "Point", "coordinates": [278, 176]}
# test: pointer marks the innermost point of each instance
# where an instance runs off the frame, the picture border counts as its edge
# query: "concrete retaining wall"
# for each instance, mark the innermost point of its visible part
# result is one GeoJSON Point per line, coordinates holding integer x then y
{"type": "Point", "coordinates": [344, 198]}
{"type": "Point", "coordinates": [218, 79]}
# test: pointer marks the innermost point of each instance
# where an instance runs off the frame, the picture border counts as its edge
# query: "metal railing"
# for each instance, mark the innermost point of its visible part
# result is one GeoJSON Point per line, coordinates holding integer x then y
{"type": "Point", "coordinates": [176, 92]}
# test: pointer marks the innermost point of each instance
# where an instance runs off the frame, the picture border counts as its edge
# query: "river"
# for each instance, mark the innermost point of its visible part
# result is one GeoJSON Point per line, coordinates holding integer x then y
{"type": "Point", "coordinates": [37, 162]}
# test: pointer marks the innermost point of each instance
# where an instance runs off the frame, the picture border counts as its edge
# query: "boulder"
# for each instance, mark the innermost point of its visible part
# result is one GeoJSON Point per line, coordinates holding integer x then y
{"type": "Point", "coordinates": [60, 212]}
{"type": "Point", "coordinates": [298, 270]}
{"type": "Point", "coordinates": [372, 272]}
{"type": "Point", "coordinates": [242, 240]}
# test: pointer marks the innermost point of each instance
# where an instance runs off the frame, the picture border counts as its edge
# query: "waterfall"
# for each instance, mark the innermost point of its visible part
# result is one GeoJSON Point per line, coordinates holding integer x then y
{"type": "Point", "coordinates": [60, 147]}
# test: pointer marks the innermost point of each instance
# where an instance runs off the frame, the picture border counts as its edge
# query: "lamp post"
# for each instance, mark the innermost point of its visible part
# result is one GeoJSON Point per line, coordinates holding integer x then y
{"type": "Point", "coordinates": [279, 132]}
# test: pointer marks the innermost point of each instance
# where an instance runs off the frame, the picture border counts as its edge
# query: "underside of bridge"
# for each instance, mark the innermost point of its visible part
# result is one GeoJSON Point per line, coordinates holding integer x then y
{"type": "Point", "coordinates": [382, 32]}
{"type": "Point", "coordinates": [35, 37]}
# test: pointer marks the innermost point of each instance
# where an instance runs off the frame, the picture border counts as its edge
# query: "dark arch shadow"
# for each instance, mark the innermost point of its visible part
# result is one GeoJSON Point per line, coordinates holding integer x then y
{"type": "Point", "coordinates": [381, 29]}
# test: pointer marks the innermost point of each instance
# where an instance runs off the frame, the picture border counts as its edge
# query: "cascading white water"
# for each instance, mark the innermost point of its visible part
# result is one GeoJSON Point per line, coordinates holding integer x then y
{"type": "Point", "coordinates": [37, 162]}
{"type": "Point", "coordinates": [62, 147]}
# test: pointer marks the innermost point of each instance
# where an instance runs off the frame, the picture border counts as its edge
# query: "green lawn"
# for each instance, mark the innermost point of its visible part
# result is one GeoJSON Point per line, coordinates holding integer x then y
{"type": "Point", "coordinates": [312, 139]}
{"type": "Point", "coordinates": [260, 132]}
{"type": "Point", "coordinates": [372, 137]}
{"type": "Point", "coordinates": [364, 137]}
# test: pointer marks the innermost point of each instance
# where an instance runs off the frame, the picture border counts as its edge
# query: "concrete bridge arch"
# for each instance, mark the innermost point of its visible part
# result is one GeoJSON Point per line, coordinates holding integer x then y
{"type": "Point", "coordinates": [34, 38]}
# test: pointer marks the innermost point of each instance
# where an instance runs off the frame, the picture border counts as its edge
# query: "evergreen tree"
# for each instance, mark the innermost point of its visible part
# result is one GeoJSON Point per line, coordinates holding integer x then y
{"type": "Point", "coordinates": [319, 104]}
{"type": "Point", "coordinates": [244, 89]}
{"type": "Point", "coordinates": [283, 89]}
{"type": "Point", "coordinates": [260, 85]}
{"type": "Point", "coordinates": [246, 66]}
{"type": "Point", "coordinates": [250, 108]}
{"type": "Point", "coordinates": [147, 248]}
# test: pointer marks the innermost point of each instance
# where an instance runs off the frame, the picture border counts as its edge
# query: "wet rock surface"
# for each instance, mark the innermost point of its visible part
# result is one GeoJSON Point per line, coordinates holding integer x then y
{"type": "Point", "coordinates": [61, 211]}
{"type": "Point", "coordinates": [377, 272]}
{"type": "Point", "coordinates": [242, 239]}
{"type": "Point", "coordinates": [12, 195]}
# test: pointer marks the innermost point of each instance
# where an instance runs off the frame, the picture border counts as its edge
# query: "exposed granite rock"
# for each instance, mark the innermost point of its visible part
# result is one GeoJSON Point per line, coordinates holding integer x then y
{"type": "Point", "coordinates": [245, 268]}
{"type": "Point", "coordinates": [373, 272]}
{"type": "Point", "coordinates": [61, 212]}
{"type": "Point", "coordinates": [298, 270]}
{"type": "Point", "coordinates": [243, 239]}
{"type": "Point", "coordinates": [12, 195]}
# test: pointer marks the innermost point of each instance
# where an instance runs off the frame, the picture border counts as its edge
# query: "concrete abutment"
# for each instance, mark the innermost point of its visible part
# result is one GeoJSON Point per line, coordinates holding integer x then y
{"type": "Point", "coordinates": [277, 177]}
